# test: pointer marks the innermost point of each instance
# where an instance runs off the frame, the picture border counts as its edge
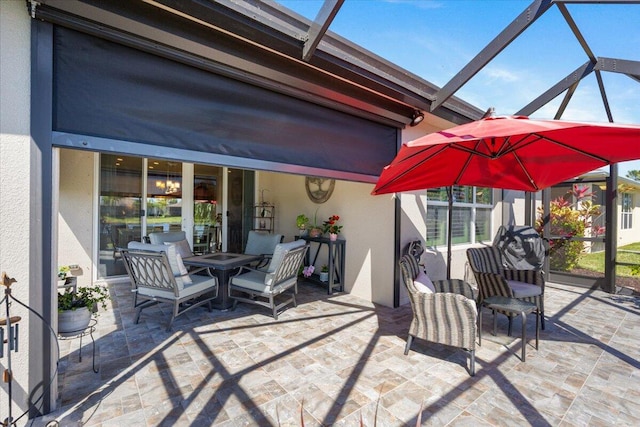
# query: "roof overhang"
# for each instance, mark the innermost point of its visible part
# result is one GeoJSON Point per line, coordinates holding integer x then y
{"type": "Point", "coordinates": [263, 44]}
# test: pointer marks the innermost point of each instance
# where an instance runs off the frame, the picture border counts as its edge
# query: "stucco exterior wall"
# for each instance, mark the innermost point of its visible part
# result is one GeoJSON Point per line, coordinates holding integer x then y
{"type": "Point", "coordinates": [16, 153]}
{"type": "Point", "coordinates": [76, 214]}
{"type": "Point", "coordinates": [630, 235]}
{"type": "Point", "coordinates": [368, 229]}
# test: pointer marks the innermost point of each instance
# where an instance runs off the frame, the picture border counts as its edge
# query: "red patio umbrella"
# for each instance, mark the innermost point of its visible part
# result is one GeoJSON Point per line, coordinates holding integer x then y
{"type": "Point", "coordinates": [511, 152]}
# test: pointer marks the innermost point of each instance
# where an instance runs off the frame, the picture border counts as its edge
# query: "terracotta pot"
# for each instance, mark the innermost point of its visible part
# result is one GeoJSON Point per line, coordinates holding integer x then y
{"type": "Point", "coordinates": [315, 232]}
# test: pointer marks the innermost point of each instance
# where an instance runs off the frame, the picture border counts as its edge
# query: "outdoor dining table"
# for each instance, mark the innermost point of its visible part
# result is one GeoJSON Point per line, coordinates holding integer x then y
{"type": "Point", "coordinates": [223, 265]}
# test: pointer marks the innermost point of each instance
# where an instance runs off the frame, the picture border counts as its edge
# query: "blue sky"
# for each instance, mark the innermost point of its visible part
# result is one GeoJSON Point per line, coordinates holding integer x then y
{"type": "Point", "coordinates": [434, 39]}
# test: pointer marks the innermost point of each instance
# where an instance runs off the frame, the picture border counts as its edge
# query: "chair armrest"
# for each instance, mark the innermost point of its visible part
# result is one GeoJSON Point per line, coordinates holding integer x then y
{"type": "Point", "coordinates": [196, 270]}
{"type": "Point", "coordinates": [264, 261]}
{"type": "Point", "coordinates": [446, 318]}
{"type": "Point", "coordinates": [455, 286]}
{"type": "Point", "coordinates": [243, 269]}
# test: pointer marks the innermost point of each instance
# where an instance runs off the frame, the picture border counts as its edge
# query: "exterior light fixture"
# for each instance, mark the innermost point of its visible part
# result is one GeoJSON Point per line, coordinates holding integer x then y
{"type": "Point", "coordinates": [416, 118]}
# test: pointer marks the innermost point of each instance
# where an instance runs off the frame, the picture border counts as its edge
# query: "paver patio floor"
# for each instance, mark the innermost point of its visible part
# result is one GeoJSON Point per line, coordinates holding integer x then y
{"type": "Point", "coordinates": [338, 360]}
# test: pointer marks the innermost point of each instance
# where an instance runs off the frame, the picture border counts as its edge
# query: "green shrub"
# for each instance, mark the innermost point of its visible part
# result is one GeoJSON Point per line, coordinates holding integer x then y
{"type": "Point", "coordinates": [569, 220]}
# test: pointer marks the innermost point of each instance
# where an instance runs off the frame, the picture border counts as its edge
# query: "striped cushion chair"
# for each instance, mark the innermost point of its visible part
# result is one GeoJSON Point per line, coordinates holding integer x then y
{"type": "Point", "coordinates": [447, 316]}
{"type": "Point", "coordinates": [493, 279]}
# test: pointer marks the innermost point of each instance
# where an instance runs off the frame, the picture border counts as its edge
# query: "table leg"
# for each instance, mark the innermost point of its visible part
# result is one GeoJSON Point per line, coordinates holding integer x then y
{"type": "Point", "coordinates": [93, 342]}
{"type": "Point", "coordinates": [222, 301]}
{"type": "Point", "coordinates": [480, 326]}
{"type": "Point", "coordinates": [80, 350]}
{"type": "Point", "coordinates": [537, 327]}
{"type": "Point", "coordinates": [524, 334]}
{"type": "Point", "coordinates": [495, 322]}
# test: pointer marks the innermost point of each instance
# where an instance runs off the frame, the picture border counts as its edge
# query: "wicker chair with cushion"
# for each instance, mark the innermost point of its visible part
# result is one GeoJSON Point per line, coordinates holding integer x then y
{"type": "Point", "coordinates": [445, 314]}
{"type": "Point", "coordinates": [493, 279]}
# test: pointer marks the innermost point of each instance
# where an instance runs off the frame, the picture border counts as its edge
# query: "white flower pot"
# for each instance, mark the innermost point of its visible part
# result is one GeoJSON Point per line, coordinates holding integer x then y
{"type": "Point", "coordinates": [324, 276]}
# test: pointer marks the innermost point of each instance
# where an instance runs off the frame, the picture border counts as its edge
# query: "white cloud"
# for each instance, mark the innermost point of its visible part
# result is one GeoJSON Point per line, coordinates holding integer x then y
{"type": "Point", "coordinates": [501, 74]}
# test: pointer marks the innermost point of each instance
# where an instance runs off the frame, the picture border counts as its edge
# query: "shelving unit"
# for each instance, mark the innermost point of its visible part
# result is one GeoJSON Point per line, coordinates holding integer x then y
{"type": "Point", "coordinates": [264, 217]}
{"type": "Point", "coordinates": [336, 256]}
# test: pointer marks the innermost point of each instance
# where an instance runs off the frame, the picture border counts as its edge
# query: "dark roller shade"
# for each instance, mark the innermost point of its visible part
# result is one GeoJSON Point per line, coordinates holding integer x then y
{"type": "Point", "coordinates": [109, 90]}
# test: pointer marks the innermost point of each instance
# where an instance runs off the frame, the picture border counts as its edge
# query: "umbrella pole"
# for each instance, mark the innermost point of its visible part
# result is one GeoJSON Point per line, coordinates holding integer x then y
{"type": "Point", "coordinates": [449, 229]}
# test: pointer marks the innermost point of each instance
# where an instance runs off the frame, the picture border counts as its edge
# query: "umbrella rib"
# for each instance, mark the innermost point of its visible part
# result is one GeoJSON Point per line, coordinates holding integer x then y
{"type": "Point", "coordinates": [464, 168]}
{"type": "Point", "coordinates": [414, 166]}
{"type": "Point", "coordinates": [526, 172]}
{"type": "Point", "coordinates": [577, 150]}
{"type": "Point", "coordinates": [525, 141]}
{"type": "Point", "coordinates": [471, 151]}
{"type": "Point", "coordinates": [466, 163]}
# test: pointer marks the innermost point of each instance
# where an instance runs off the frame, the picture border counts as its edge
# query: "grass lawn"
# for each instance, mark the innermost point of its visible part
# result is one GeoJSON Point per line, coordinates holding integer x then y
{"type": "Point", "coordinates": [595, 261]}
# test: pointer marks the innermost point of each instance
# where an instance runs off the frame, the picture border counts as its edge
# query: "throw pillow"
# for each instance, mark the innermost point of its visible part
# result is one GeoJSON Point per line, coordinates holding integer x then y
{"type": "Point", "coordinates": [182, 248]}
{"type": "Point", "coordinates": [424, 284]}
{"type": "Point", "coordinates": [177, 267]}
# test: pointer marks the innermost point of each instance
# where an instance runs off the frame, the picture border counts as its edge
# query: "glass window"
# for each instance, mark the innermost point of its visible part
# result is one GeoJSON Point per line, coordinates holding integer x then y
{"type": "Point", "coordinates": [471, 215]}
{"type": "Point", "coordinates": [120, 204]}
{"type": "Point", "coordinates": [164, 196]}
{"type": "Point", "coordinates": [626, 220]}
{"type": "Point", "coordinates": [207, 194]}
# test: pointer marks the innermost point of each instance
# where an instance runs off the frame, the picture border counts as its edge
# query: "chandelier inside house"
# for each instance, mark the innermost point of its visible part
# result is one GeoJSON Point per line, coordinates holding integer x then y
{"type": "Point", "coordinates": [169, 185]}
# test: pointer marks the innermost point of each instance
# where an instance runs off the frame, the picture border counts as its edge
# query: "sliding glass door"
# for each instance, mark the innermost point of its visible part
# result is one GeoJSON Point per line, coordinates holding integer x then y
{"type": "Point", "coordinates": [139, 196]}
{"type": "Point", "coordinates": [120, 204]}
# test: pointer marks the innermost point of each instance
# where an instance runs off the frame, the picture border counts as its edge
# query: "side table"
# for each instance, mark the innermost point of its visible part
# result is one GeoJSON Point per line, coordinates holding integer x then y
{"type": "Point", "coordinates": [510, 305]}
{"type": "Point", "coordinates": [335, 261]}
{"type": "Point", "coordinates": [89, 330]}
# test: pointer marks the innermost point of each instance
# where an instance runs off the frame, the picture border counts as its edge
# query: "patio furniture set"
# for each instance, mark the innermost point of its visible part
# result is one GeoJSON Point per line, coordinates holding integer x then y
{"type": "Point", "coordinates": [449, 311]}
{"type": "Point", "coordinates": [165, 270]}
{"type": "Point", "coordinates": [444, 311]}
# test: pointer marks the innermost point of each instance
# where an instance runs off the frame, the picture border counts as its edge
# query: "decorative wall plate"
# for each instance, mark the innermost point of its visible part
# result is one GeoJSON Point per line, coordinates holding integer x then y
{"type": "Point", "coordinates": [319, 190]}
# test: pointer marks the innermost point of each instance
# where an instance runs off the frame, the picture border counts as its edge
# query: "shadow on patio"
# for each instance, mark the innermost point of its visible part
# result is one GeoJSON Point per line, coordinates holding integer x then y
{"type": "Point", "coordinates": [341, 360]}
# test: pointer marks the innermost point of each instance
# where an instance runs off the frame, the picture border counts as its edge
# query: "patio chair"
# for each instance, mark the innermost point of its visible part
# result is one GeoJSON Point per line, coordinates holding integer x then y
{"type": "Point", "coordinates": [262, 244]}
{"type": "Point", "coordinates": [494, 279]}
{"type": "Point", "coordinates": [445, 314]}
{"type": "Point", "coordinates": [158, 276]}
{"type": "Point", "coordinates": [261, 287]}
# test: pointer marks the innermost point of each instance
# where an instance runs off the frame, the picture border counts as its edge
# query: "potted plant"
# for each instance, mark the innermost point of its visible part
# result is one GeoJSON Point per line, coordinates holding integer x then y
{"type": "Point", "coordinates": [331, 227]}
{"type": "Point", "coordinates": [301, 222]}
{"type": "Point", "coordinates": [324, 273]}
{"type": "Point", "coordinates": [316, 230]}
{"type": "Point", "coordinates": [75, 308]}
{"type": "Point", "coordinates": [63, 271]}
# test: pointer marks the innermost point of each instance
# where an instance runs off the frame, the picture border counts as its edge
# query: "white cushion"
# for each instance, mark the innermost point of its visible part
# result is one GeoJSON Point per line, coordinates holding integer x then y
{"type": "Point", "coordinates": [159, 238]}
{"type": "Point", "coordinates": [278, 253]}
{"type": "Point", "coordinates": [259, 243]}
{"type": "Point", "coordinates": [182, 248]}
{"type": "Point", "coordinates": [424, 284]}
{"type": "Point", "coordinates": [523, 290]}
{"type": "Point", "coordinates": [200, 283]}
